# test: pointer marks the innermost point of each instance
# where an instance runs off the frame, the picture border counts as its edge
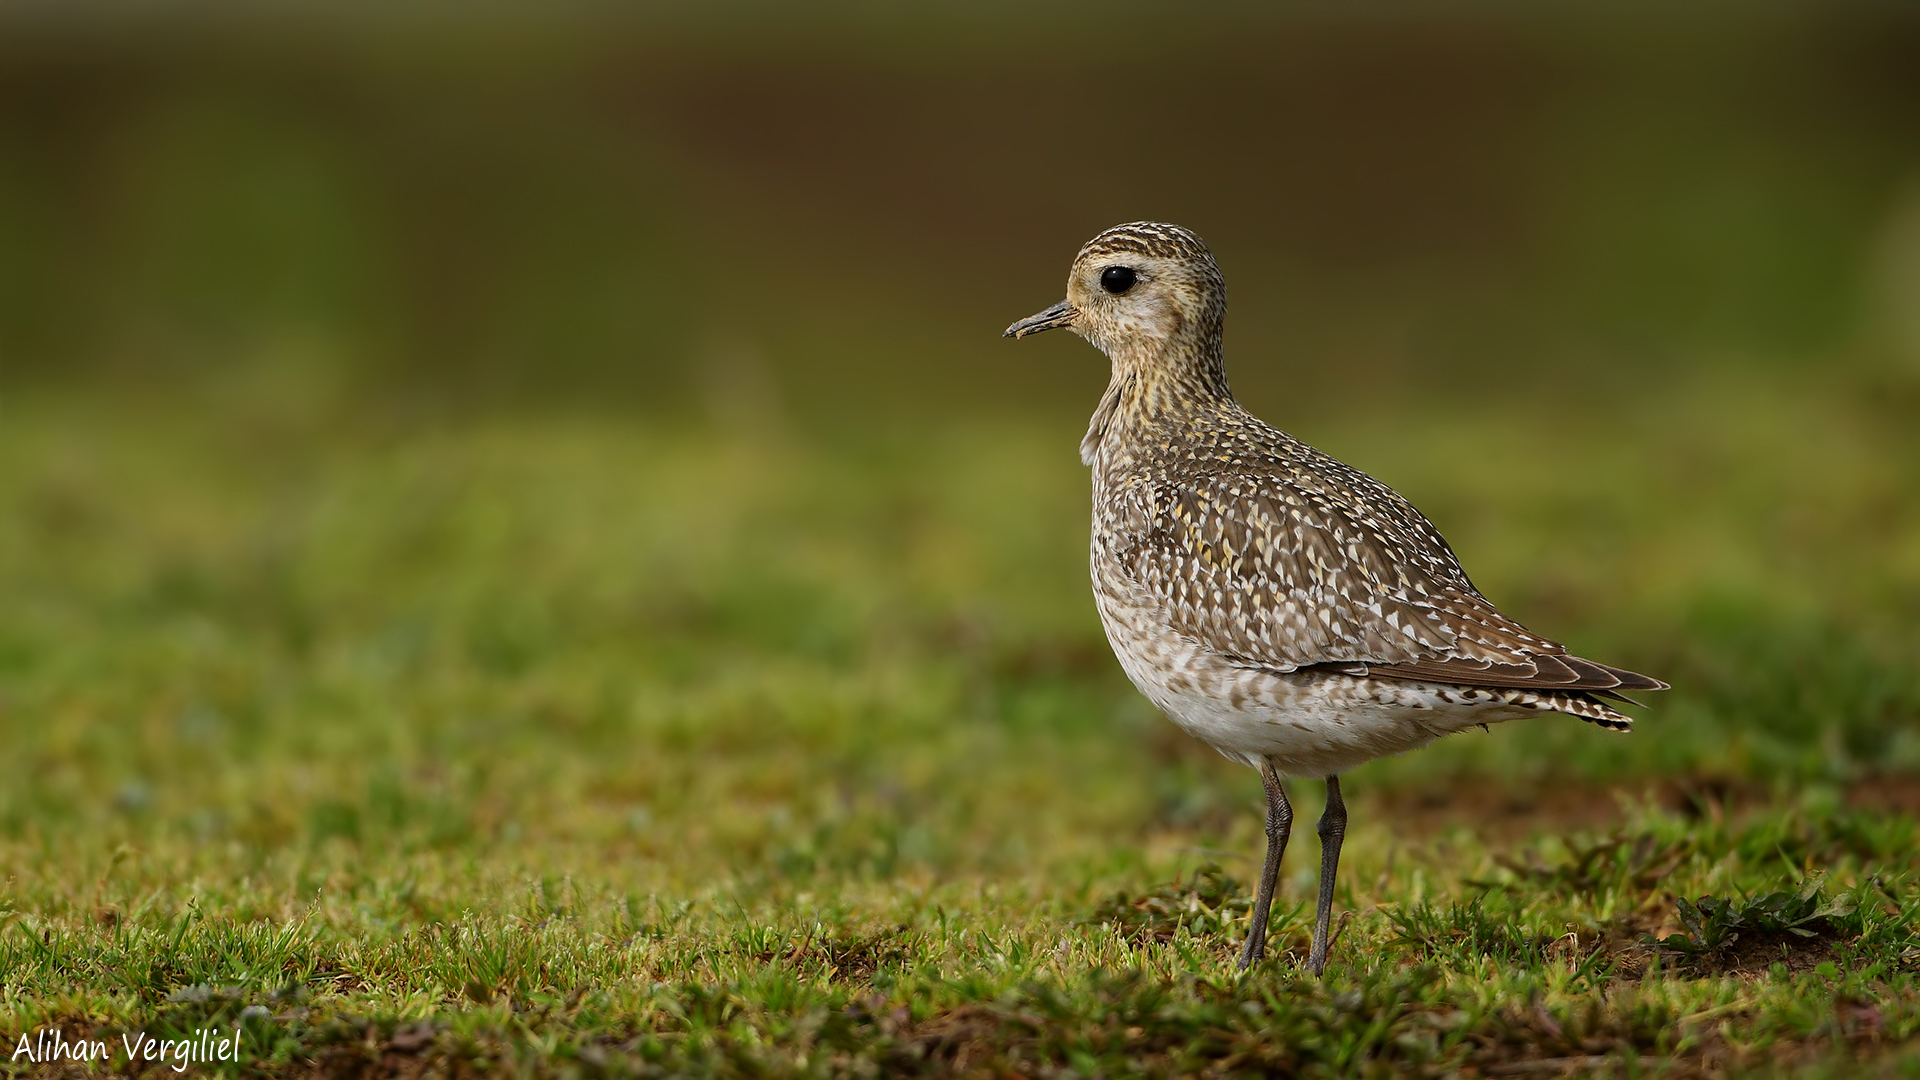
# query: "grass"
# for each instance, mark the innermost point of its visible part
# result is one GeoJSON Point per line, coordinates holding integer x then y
{"type": "Point", "coordinates": [572, 744]}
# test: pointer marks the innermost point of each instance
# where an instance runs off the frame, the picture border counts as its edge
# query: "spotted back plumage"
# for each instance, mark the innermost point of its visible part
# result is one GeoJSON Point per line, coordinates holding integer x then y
{"type": "Point", "coordinates": [1260, 548]}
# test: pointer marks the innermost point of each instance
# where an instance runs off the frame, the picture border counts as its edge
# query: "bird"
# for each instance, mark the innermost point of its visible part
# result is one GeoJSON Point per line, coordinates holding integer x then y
{"type": "Point", "coordinates": [1287, 609]}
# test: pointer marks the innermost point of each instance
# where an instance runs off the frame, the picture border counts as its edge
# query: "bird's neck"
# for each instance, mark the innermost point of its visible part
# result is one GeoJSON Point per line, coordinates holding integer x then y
{"type": "Point", "coordinates": [1175, 383]}
{"type": "Point", "coordinates": [1171, 385]}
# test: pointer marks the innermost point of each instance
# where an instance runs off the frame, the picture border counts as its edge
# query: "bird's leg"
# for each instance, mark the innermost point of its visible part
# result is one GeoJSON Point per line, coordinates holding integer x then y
{"type": "Point", "coordinates": [1279, 826]}
{"type": "Point", "coordinates": [1333, 829]}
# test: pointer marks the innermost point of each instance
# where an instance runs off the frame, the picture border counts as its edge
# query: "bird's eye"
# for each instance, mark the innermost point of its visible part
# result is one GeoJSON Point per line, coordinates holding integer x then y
{"type": "Point", "coordinates": [1117, 279]}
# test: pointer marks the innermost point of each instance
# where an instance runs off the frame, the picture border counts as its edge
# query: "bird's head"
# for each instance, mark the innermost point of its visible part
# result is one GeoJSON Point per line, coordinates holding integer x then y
{"type": "Point", "coordinates": [1144, 293]}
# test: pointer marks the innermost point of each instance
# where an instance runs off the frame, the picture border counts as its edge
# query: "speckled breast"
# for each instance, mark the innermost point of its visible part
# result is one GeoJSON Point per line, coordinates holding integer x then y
{"type": "Point", "coordinates": [1306, 723]}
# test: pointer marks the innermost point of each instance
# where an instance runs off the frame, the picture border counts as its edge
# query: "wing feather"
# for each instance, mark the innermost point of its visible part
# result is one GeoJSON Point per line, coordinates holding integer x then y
{"type": "Point", "coordinates": [1284, 558]}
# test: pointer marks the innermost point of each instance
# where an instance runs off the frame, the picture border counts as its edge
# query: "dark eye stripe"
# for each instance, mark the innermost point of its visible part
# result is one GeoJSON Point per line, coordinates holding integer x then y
{"type": "Point", "coordinates": [1117, 279]}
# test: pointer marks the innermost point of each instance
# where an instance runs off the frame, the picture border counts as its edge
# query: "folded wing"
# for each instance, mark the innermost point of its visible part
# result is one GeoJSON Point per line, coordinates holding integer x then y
{"type": "Point", "coordinates": [1298, 561]}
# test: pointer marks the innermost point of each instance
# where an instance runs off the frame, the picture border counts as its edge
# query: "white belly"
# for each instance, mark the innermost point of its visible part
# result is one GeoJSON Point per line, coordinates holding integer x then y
{"type": "Point", "coordinates": [1313, 724]}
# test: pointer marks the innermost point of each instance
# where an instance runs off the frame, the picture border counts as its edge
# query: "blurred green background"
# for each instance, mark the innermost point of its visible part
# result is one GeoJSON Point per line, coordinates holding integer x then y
{"type": "Point", "coordinates": [615, 207]}
{"type": "Point", "coordinates": [381, 388]}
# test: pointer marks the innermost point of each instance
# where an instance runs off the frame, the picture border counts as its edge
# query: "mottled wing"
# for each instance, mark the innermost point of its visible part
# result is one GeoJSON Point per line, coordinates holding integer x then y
{"type": "Point", "coordinates": [1294, 560]}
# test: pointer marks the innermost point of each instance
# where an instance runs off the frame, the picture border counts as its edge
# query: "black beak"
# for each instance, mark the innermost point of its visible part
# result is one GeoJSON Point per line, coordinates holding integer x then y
{"type": "Point", "coordinates": [1055, 317]}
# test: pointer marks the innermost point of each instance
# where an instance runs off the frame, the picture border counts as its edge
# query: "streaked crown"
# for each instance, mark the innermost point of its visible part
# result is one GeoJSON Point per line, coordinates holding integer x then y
{"type": "Point", "coordinates": [1155, 239]}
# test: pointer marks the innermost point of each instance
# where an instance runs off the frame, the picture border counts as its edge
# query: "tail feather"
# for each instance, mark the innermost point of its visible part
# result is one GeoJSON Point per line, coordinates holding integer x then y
{"type": "Point", "coordinates": [1584, 704]}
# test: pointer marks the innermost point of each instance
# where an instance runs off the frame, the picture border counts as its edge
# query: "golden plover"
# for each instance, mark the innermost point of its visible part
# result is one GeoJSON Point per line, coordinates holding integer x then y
{"type": "Point", "coordinates": [1291, 611]}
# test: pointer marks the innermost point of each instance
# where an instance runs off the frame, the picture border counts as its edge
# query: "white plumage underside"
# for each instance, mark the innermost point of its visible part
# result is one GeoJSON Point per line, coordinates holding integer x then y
{"type": "Point", "coordinates": [1307, 723]}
